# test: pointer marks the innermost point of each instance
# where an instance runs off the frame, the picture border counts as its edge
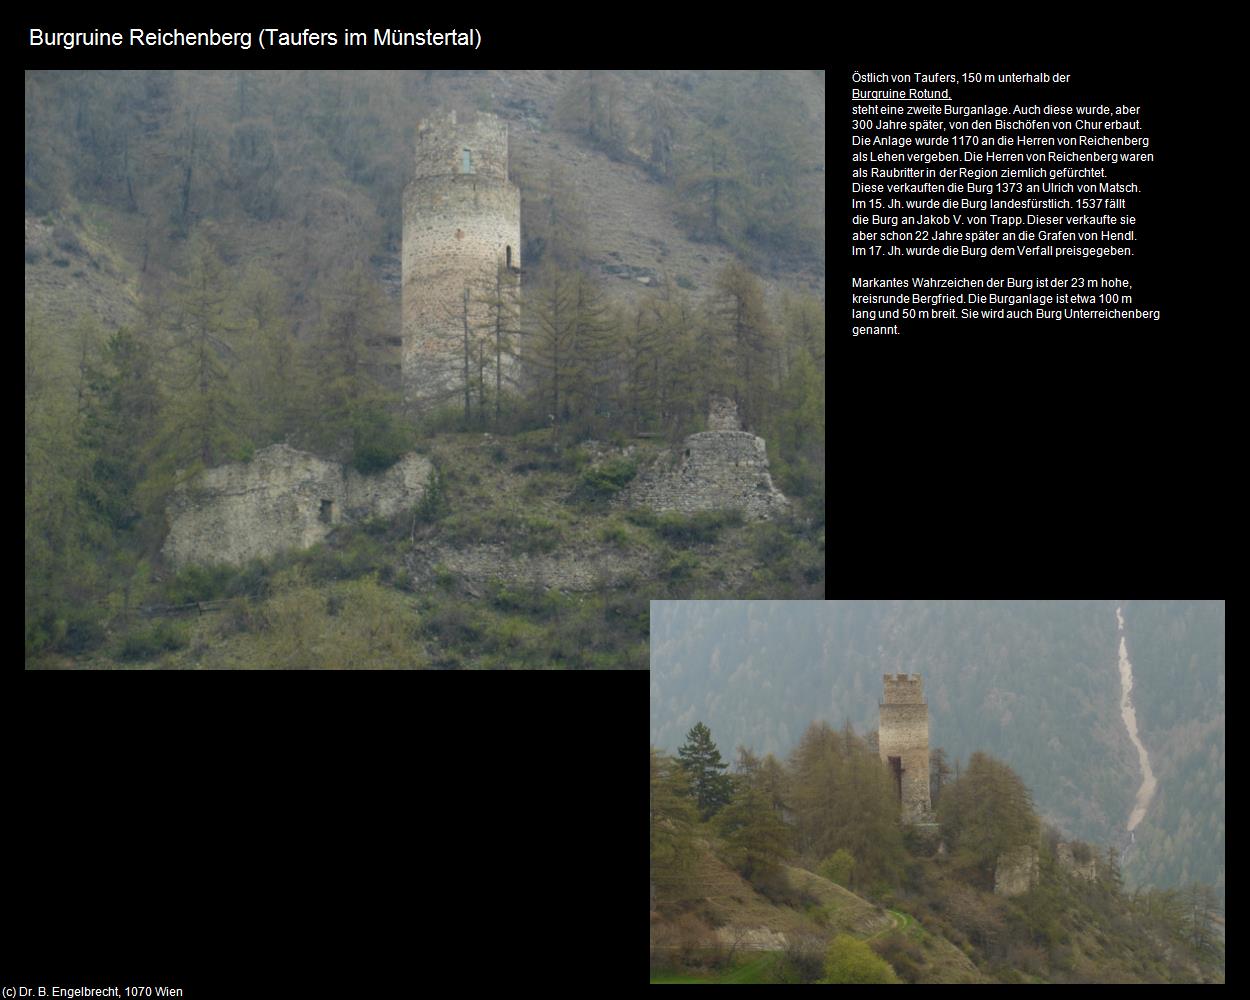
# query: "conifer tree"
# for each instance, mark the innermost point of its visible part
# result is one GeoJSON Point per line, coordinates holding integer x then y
{"type": "Point", "coordinates": [757, 839]}
{"type": "Point", "coordinates": [673, 821]}
{"type": "Point", "coordinates": [987, 810]}
{"type": "Point", "coordinates": [206, 420]}
{"type": "Point", "coordinates": [274, 393]}
{"type": "Point", "coordinates": [702, 762]}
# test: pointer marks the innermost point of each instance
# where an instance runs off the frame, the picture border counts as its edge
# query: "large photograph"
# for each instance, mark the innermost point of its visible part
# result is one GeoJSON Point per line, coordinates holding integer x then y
{"type": "Point", "coordinates": [937, 792]}
{"type": "Point", "coordinates": [433, 370]}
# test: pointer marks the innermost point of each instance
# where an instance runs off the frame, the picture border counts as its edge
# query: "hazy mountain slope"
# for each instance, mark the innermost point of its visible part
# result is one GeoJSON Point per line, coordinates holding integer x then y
{"type": "Point", "coordinates": [303, 172]}
{"type": "Point", "coordinates": [1177, 651]}
{"type": "Point", "coordinates": [1034, 683]}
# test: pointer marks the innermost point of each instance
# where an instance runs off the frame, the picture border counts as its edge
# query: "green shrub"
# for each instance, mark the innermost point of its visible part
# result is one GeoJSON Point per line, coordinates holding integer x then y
{"type": "Point", "coordinates": [70, 628]}
{"type": "Point", "coordinates": [146, 643]}
{"type": "Point", "coordinates": [701, 528]}
{"type": "Point", "coordinates": [433, 504]}
{"type": "Point", "coordinates": [604, 481]}
{"type": "Point", "coordinates": [573, 459]}
{"type": "Point", "coordinates": [531, 534]}
{"type": "Point", "coordinates": [849, 960]}
{"type": "Point", "coordinates": [378, 441]}
{"type": "Point", "coordinates": [83, 631]}
{"type": "Point", "coordinates": [628, 609]}
{"type": "Point", "coordinates": [614, 533]}
{"type": "Point", "coordinates": [837, 867]}
{"type": "Point", "coordinates": [904, 956]}
{"type": "Point", "coordinates": [201, 583]}
{"type": "Point", "coordinates": [533, 601]}
{"type": "Point", "coordinates": [644, 517]}
{"type": "Point", "coordinates": [355, 554]}
{"type": "Point", "coordinates": [679, 566]}
{"type": "Point", "coordinates": [452, 623]}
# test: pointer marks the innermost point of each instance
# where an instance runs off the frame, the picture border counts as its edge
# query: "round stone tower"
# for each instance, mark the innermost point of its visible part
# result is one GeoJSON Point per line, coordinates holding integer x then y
{"type": "Point", "coordinates": [903, 740]}
{"type": "Point", "coordinates": [462, 223]}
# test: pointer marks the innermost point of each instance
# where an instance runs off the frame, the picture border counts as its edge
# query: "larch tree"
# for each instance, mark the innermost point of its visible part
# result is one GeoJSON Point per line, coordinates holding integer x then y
{"type": "Point", "coordinates": [204, 404]}
{"type": "Point", "coordinates": [673, 822]}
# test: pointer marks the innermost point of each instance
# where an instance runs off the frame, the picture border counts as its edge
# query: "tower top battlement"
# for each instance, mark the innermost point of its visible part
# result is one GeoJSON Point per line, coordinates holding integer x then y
{"type": "Point", "coordinates": [903, 689]}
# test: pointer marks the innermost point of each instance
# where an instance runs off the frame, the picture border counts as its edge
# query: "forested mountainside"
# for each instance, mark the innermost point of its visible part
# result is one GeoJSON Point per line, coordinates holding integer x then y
{"type": "Point", "coordinates": [1177, 649]}
{"type": "Point", "coordinates": [213, 266]}
{"type": "Point", "coordinates": [640, 176]}
{"type": "Point", "coordinates": [800, 871]}
{"type": "Point", "coordinates": [1034, 683]}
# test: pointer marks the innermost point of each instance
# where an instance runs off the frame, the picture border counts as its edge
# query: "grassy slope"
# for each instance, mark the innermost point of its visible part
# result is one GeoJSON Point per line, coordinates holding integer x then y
{"type": "Point", "coordinates": [726, 900]}
{"type": "Point", "coordinates": [511, 575]}
{"type": "Point", "coordinates": [935, 930]}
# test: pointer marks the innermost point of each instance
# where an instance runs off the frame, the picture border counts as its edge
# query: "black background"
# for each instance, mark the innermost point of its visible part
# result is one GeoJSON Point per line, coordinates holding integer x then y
{"type": "Point", "coordinates": [1041, 457]}
{"type": "Point", "coordinates": [243, 835]}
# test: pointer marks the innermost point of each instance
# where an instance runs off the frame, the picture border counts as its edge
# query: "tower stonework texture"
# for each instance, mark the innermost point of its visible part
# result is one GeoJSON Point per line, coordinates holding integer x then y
{"type": "Point", "coordinates": [903, 738]}
{"type": "Point", "coordinates": [462, 225]}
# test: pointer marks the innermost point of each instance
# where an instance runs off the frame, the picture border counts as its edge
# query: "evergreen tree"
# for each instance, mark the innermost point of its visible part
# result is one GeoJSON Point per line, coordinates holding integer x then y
{"type": "Point", "coordinates": [206, 420]}
{"type": "Point", "coordinates": [987, 810]}
{"type": "Point", "coordinates": [273, 388]}
{"type": "Point", "coordinates": [568, 349]}
{"type": "Point", "coordinates": [673, 822]}
{"type": "Point", "coordinates": [344, 362]}
{"type": "Point", "coordinates": [711, 184]}
{"type": "Point", "coordinates": [498, 299]}
{"type": "Point", "coordinates": [842, 799]}
{"type": "Point", "coordinates": [63, 536]}
{"type": "Point", "coordinates": [1109, 873]}
{"type": "Point", "coordinates": [755, 836]}
{"type": "Point", "coordinates": [119, 422]}
{"type": "Point", "coordinates": [702, 762]}
{"type": "Point", "coordinates": [749, 338]}
{"type": "Point", "coordinates": [591, 387]}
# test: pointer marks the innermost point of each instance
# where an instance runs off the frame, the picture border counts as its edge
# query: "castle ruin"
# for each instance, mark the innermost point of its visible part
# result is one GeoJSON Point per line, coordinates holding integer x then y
{"type": "Point", "coordinates": [1017, 871]}
{"type": "Point", "coordinates": [722, 468]}
{"type": "Point", "coordinates": [462, 231]}
{"type": "Point", "coordinates": [281, 499]}
{"type": "Point", "coordinates": [1085, 866]}
{"type": "Point", "coordinates": [903, 741]}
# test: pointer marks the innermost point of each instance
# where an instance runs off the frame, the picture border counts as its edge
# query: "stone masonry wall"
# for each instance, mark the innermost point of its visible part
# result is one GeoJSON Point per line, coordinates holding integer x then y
{"type": "Point", "coordinates": [714, 470]}
{"type": "Point", "coordinates": [281, 499]}
{"type": "Point", "coordinates": [904, 733]}
{"type": "Point", "coordinates": [722, 415]}
{"type": "Point", "coordinates": [1017, 871]}
{"type": "Point", "coordinates": [1067, 860]}
{"type": "Point", "coordinates": [458, 227]}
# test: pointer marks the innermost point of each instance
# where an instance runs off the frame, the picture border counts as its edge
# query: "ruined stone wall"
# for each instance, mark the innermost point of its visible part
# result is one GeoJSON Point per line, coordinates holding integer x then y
{"type": "Point", "coordinates": [1087, 870]}
{"type": "Point", "coordinates": [722, 414]}
{"type": "Point", "coordinates": [1017, 871]}
{"type": "Point", "coordinates": [458, 227]}
{"type": "Point", "coordinates": [714, 470]}
{"type": "Point", "coordinates": [904, 733]}
{"type": "Point", "coordinates": [281, 499]}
